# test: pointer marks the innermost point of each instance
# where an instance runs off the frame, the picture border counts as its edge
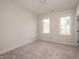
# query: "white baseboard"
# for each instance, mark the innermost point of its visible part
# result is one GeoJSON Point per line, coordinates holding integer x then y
{"type": "Point", "coordinates": [10, 49]}
{"type": "Point", "coordinates": [65, 43]}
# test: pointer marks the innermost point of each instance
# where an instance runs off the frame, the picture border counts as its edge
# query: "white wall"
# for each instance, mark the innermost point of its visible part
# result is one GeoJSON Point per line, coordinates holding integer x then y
{"type": "Point", "coordinates": [17, 26]}
{"type": "Point", "coordinates": [54, 35]}
{"type": "Point", "coordinates": [77, 12]}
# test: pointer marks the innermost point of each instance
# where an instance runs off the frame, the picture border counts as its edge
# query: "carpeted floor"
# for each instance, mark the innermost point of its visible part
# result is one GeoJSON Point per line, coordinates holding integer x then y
{"type": "Point", "coordinates": [43, 50]}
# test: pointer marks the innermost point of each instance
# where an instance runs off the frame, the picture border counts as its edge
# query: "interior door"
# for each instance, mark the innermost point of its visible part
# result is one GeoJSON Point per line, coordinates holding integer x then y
{"type": "Point", "coordinates": [78, 30]}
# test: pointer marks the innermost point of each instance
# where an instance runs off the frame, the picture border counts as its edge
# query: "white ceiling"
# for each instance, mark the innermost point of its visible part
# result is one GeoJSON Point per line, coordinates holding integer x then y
{"type": "Point", "coordinates": [50, 5]}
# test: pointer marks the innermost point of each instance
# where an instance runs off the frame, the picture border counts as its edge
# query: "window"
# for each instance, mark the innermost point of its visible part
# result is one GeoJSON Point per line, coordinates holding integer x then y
{"type": "Point", "coordinates": [46, 25]}
{"type": "Point", "coordinates": [65, 25]}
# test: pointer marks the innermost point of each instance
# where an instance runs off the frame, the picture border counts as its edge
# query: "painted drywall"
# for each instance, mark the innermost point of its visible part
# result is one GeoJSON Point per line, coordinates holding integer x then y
{"type": "Point", "coordinates": [77, 12]}
{"type": "Point", "coordinates": [54, 35]}
{"type": "Point", "coordinates": [17, 25]}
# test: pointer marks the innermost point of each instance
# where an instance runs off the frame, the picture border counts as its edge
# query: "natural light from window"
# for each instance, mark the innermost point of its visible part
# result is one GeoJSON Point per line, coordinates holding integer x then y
{"type": "Point", "coordinates": [46, 25]}
{"type": "Point", "coordinates": [65, 25]}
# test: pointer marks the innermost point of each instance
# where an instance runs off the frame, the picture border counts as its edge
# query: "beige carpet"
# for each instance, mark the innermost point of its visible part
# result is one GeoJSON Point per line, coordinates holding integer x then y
{"type": "Point", "coordinates": [43, 50]}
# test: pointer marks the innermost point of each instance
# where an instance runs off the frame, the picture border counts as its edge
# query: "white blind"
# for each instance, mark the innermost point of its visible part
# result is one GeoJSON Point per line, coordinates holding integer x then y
{"type": "Point", "coordinates": [65, 25]}
{"type": "Point", "coordinates": [46, 25]}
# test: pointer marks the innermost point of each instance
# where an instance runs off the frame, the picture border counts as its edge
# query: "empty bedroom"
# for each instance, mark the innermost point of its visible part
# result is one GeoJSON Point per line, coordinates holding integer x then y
{"type": "Point", "coordinates": [39, 29]}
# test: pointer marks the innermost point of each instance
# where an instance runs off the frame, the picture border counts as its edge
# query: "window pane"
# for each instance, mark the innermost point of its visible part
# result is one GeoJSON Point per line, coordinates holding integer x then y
{"type": "Point", "coordinates": [46, 25]}
{"type": "Point", "coordinates": [65, 24]}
